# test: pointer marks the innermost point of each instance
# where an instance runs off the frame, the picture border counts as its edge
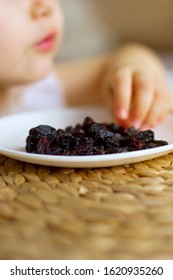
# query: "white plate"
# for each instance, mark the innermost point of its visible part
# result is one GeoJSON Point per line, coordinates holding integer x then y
{"type": "Point", "coordinates": [14, 130]}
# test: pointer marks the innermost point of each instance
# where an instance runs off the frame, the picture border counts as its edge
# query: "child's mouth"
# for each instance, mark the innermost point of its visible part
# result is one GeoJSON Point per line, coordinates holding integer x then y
{"type": "Point", "coordinates": [47, 43]}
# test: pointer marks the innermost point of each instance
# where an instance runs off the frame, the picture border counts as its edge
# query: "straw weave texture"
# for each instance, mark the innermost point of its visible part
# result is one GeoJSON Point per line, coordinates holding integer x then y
{"type": "Point", "coordinates": [123, 212]}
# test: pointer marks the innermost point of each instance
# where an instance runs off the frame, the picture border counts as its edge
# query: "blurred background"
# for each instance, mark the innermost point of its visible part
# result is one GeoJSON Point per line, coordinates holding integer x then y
{"type": "Point", "coordinates": [97, 26]}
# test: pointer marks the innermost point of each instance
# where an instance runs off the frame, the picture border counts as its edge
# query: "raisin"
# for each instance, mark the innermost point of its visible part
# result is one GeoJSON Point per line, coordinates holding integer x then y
{"type": "Point", "coordinates": [89, 138]}
{"type": "Point", "coordinates": [43, 146]}
{"type": "Point", "coordinates": [146, 136]}
{"type": "Point", "coordinates": [41, 130]}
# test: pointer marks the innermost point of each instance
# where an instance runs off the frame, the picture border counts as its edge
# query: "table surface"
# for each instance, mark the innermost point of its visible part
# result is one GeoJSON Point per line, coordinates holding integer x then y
{"type": "Point", "coordinates": [123, 212]}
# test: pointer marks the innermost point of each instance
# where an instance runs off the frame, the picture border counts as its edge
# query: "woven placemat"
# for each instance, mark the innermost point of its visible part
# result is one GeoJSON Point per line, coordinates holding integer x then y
{"type": "Point", "coordinates": [123, 212]}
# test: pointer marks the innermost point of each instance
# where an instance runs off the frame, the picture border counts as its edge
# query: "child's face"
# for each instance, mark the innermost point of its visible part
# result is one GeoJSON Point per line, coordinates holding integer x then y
{"type": "Point", "coordinates": [30, 32]}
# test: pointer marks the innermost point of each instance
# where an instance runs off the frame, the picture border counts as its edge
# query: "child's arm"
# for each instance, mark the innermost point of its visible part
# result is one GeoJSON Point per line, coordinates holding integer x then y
{"type": "Point", "coordinates": [82, 80]}
{"type": "Point", "coordinates": [131, 81]}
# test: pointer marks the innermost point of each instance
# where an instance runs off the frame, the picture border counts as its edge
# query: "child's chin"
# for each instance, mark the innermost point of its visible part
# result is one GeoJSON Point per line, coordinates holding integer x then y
{"type": "Point", "coordinates": [29, 80]}
{"type": "Point", "coordinates": [34, 77]}
{"type": "Point", "coordinates": [40, 76]}
{"type": "Point", "coordinates": [39, 69]}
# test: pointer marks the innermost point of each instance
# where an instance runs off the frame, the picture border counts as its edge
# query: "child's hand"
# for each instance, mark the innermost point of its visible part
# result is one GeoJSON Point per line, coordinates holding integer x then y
{"type": "Point", "coordinates": [136, 90]}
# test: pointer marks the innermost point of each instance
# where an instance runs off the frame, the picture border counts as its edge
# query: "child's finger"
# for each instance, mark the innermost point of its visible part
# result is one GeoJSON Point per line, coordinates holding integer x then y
{"type": "Point", "coordinates": [143, 94]}
{"type": "Point", "coordinates": [157, 111]}
{"type": "Point", "coordinates": [122, 91]}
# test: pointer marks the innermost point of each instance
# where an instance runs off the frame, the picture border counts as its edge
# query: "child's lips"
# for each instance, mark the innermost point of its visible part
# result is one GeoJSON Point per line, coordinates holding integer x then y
{"type": "Point", "coordinates": [47, 43]}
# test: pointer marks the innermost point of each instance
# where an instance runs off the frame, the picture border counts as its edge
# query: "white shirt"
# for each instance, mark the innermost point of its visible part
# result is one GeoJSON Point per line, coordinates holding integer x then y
{"type": "Point", "coordinates": [47, 93]}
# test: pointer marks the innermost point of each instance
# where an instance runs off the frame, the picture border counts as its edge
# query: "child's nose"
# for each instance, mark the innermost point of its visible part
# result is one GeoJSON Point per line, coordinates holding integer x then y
{"type": "Point", "coordinates": [41, 8]}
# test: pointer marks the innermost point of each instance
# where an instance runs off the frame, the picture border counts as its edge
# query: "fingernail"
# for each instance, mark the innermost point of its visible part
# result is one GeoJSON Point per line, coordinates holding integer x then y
{"type": "Point", "coordinates": [145, 127]}
{"type": "Point", "coordinates": [122, 114]}
{"type": "Point", "coordinates": [136, 124]}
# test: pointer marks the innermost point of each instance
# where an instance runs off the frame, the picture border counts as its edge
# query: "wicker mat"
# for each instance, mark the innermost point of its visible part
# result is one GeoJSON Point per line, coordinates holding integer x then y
{"type": "Point", "coordinates": [123, 212]}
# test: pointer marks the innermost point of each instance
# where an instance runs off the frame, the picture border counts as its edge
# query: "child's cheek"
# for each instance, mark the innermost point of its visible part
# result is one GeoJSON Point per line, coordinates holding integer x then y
{"type": "Point", "coordinates": [59, 22]}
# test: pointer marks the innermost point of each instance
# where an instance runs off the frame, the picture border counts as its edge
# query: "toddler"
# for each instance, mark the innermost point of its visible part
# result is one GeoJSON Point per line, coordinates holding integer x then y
{"type": "Point", "coordinates": [129, 81]}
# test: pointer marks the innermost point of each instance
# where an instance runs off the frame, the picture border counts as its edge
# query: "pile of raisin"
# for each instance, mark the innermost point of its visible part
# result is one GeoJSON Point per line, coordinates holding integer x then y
{"type": "Point", "coordinates": [89, 138]}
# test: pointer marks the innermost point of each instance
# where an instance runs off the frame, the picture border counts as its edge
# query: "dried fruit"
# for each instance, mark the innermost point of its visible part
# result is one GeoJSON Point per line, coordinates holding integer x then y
{"type": "Point", "coordinates": [89, 138]}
